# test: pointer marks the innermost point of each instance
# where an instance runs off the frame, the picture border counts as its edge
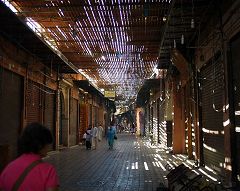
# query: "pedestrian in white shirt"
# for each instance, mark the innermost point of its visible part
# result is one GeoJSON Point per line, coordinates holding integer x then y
{"type": "Point", "coordinates": [84, 138]}
{"type": "Point", "coordinates": [94, 137]}
{"type": "Point", "coordinates": [100, 132]}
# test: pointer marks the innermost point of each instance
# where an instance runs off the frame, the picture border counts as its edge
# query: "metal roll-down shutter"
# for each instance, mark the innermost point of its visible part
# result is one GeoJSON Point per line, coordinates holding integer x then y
{"type": "Point", "coordinates": [49, 113]}
{"type": "Point", "coordinates": [212, 91]}
{"type": "Point", "coordinates": [235, 46]}
{"type": "Point", "coordinates": [11, 105]}
{"type": "Point", "coordinates": [73, 122]}
{"type": "Point", "coordinates": [33, 103]}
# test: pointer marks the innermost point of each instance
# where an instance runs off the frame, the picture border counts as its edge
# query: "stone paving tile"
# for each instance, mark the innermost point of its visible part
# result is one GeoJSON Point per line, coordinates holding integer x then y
{"type": "Point", "coordinates": [123, 168]}
{"type": "Point", "coordinates": [133, 165]}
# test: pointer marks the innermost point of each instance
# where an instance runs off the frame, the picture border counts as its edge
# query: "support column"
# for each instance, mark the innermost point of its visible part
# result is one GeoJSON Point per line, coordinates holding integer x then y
{"type": "Point", "coordinates": [178, 121]}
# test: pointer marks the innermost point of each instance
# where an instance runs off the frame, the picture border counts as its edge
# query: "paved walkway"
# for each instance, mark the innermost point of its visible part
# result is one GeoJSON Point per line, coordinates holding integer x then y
{"type": "Point", "coordinates": [133, 165]}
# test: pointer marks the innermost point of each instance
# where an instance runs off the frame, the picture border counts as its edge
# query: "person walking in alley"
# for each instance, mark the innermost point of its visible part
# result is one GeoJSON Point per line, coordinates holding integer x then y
{"type": "Point", "coordinates": [100, 132]}
{"type": "Point", "coordinates": [94, 137]}
{"type": "Point", "coordinates": [28, 171]}
{"type": "Point", "coordinates": [84, 138]}
{"type": "Point", "coordinates": [88, 138]}
{"type": "Point", "coordinates": [132, 128]}
{"type": "Point", "coordinates": [110, 136]}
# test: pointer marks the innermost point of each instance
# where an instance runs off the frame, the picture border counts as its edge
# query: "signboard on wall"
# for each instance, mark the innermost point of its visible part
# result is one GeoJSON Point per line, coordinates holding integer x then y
{"type": "Point", "coordinates": [109, 94]}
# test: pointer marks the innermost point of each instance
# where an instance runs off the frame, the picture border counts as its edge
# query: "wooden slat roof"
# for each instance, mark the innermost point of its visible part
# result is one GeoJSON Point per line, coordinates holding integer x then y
{"type": "Point", "coordinates": [115, 43]}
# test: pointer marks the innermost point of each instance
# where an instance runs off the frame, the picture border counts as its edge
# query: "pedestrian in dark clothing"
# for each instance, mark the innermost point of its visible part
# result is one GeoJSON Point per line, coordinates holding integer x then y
{"type": "Point", "coordinates": [88, 139]}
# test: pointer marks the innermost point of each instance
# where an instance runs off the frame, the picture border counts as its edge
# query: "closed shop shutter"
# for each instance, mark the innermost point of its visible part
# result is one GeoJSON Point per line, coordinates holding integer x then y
{"type": "Point", "coordinates": [189, 120]}
{"type": "Point", "coordinates": [11, 104]}
{"type": "Point", "coordinates": [101, 116]}
{"type": "Point", "coordinates": [168, 118]}
{"type": "Point", "coordinates": [148, 120]}
{"type": "Point", "coordinates": [90, 114]}
{"type": "Point", "coordinates": [83, 119]}
{"type": "Point", "coordinates": [151, 119]}
{"type": "Point", "coordinates": [95, 115]}
{"type": "Point", "coordinates": [49, 113]}
{"type": "Point", "coordinates": [169, 133]}
{"type": "Point", "coordinates": [158, 120]}
{"type": "Point", "coordinates": [73, 122]}
{"type": "Point", "coordinates": [33, 103]}
{"type": "Point", "coordinates": [192, 118]}
{"type": "Point", "coordinates": [235, 46]}
{"type": "Point", "coordinates": [162, 125]}
{"type": "Point", "coordinates": [212, 115]}
{"type": "Point", "coordinates": [61, 116]}
{"type": "Point", "coordinates": [155, 122]}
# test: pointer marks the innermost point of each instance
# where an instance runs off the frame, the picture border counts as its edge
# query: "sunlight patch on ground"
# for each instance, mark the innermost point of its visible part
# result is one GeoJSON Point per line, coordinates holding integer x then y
{"type": "Point", "coordinates": [146, 166]}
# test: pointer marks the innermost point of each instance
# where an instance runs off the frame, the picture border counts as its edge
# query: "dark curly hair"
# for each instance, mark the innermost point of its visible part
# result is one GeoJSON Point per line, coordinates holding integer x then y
{"type": "Point", "coordinates": [33, 138]}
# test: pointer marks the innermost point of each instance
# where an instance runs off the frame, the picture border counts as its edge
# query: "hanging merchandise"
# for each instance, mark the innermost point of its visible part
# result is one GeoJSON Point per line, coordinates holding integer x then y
{"type": "Point", "coordinates": [192, 20]}
{"type": "Point", "coordinates": [192, 23]}
{"type": "Point", "coordinates": [182, 39]}
{"type": "Point", "coordinates": [146, 10]}
{"type": "Point", "coordinates": [182, 36]}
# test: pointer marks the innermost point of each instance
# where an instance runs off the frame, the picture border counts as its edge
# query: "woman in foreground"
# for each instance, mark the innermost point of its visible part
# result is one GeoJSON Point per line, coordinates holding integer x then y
{"type": "Point", "coordinates": [28, 171]}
